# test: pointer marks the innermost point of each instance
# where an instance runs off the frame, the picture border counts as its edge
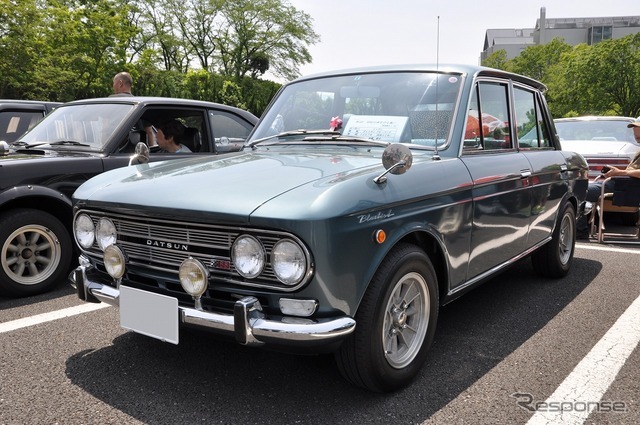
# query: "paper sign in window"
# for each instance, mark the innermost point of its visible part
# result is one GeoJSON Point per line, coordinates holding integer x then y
{"type": "Point", "coordinates": [387, 128]}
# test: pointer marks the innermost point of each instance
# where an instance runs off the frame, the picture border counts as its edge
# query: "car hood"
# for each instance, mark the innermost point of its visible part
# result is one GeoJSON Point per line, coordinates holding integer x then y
{"type": "Point", "coordinates": [234, 185]}
{"type": "Point", "coordinates": [600, 148]}
{"type": "Point", "coordinates": [39, 153]}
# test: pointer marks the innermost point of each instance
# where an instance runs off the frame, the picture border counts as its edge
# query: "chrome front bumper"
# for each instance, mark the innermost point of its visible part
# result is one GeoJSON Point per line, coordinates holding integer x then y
{"type": "Point", "coordinates": [248, 324]}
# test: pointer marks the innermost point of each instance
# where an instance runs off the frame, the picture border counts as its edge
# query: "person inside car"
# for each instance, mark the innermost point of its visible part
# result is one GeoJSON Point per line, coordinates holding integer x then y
{"type": "Point", "coordinates": [170, 135]}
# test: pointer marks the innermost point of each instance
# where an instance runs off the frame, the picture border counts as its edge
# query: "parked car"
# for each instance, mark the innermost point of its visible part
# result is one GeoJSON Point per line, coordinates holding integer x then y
{"type": "Point", "coordinates": [78, 140]}
{"type": "Point", "coordinates": [18, 116]}
{"type": "Point", "coordinates": [362, 202]}
{"type": "Point", "coordinates": [603, 141]}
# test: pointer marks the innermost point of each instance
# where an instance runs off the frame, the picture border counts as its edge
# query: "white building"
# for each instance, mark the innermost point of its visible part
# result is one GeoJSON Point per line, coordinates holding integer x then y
{"type": "Point", "coordinates": [573, 31]}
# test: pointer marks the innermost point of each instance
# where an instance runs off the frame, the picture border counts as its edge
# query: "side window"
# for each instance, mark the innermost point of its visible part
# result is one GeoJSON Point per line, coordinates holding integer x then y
{"type": "Point", "coordinates": [228, 125]}
{"type": "Point", "coordinates": [14, 124]}
{"type": "Point", "coordinates": [487, 126]}
{"type": "Point", "coordinates": [186, 124]}
{"type": "Point", "coordinates": [530, 125]}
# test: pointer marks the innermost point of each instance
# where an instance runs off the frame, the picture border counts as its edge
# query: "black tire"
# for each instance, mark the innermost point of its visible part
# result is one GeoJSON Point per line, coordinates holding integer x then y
{"type": "Point", "coordinates": [395, 323]}
{"type": "Point", "coordinates": [26, 270]}
{"type": "Point", "coordinates": [554, 259]}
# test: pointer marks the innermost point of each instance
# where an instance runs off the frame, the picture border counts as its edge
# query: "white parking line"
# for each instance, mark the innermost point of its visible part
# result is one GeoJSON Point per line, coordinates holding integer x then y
{"type": "Point", "coordinates": [607, 248]}
{"type": "Point", "coordinates": [47, 317]}
{"type": "Point", "coordinates": [583, 389]}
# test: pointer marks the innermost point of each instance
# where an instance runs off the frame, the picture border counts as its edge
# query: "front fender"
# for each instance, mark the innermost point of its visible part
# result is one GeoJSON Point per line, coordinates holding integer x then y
{"type": "Point", "coordinates": [33, 191]}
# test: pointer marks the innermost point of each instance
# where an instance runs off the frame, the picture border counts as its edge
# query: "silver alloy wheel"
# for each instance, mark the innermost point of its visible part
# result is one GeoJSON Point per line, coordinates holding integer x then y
{"type": "Point", "coordinates": [406, 320]}
{"type": "Point", "coordinates": [565, 242]}
{"type": "Point", "coordinates": [30, 254]}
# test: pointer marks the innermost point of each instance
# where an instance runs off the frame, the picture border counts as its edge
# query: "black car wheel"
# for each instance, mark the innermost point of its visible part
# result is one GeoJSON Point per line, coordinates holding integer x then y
{"type": "Point", "coordinates": [395, 323]}
{"type": "Point", "coordinates": [555, 257]}
{"type": "Point", "coordinates": [36, 252]}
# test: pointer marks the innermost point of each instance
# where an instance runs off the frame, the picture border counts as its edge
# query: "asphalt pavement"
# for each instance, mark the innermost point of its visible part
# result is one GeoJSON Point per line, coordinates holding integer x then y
{"type": "Point", "coordinates": [500, 353]}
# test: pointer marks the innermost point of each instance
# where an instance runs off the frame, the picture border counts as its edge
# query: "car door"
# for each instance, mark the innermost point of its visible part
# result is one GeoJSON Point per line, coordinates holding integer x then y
{"type": "Point", "coordinates": [548, 175]}
{"type": "Point", "coordinates": [501, 180]}
{"type": "Point", "coordinates": [229, 130]}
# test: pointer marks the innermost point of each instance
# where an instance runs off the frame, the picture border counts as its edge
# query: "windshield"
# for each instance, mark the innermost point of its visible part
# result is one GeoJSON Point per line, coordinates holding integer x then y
{"type": "Point", "coordinates": [89, 126]}
{"type": "Point", "coordinates": [405, 107]}
{"type": "Point", "coordinates": [601, 130]}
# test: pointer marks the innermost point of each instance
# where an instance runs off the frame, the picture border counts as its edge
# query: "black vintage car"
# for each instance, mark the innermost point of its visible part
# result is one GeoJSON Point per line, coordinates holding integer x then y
{"type": "Point", "coordinates": [78, 140]}
{"type": "Point", "coordinates": [19, 116]}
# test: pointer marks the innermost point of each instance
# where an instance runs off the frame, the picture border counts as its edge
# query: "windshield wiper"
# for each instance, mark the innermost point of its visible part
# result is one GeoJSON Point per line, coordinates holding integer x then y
{"type": "Point", "coordinates": [27, 145]}
{"type": "Point", "coordinates": [295, 133]}
{"type": "Point", "coordinates": [68, 142]}
{"type": "Point", "coordinates": [341, 138]}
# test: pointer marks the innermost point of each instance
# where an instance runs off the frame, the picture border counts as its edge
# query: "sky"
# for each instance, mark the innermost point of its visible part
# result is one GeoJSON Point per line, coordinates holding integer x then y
{"type": "Point", "coordinates": [357, 33]}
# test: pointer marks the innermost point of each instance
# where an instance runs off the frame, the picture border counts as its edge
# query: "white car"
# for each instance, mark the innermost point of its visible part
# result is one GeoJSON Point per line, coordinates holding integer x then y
{"type": "Point", "coordinates": [602, 140]}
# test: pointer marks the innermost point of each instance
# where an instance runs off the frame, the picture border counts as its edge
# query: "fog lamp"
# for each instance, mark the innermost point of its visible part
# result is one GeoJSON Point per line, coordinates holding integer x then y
{"type": "Point", "coordinates": [301, 308]}
{"type": "Point", "coordinates": [194, 277]}
{"type": "Point", "coordinates": [114, 261]}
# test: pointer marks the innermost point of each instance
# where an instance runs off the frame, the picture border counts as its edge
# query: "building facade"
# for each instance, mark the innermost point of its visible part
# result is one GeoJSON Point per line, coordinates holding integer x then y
{"type": "Point", "coordinates": [573, 31]}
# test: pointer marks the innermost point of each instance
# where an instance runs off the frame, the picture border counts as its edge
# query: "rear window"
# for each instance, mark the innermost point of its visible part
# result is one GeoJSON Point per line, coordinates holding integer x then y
{"type": "Point", "coordinates": [14, 124]}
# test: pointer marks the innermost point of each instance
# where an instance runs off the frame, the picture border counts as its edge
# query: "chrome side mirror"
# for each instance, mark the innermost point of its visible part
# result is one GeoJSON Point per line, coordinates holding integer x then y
{"type": "Point", "coordinates": [141, 154]}
{"type": "Point", "coordinates": [396, 159]}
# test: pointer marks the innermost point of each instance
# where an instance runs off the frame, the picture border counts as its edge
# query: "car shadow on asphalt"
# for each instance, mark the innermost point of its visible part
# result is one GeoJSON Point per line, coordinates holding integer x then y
{"type": "Point", "coordinates": [204, 380]}
{"type": "Point", "coordinates": [62, 289]}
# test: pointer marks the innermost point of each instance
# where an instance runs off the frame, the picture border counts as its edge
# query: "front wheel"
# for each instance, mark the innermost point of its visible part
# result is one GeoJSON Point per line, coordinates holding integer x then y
{"type": "Point", "coordinates": [554, 258]}
{"type": "Point", "coordinates": [35, 252]}
{"type": "Point", "coordinates": [396, 322]}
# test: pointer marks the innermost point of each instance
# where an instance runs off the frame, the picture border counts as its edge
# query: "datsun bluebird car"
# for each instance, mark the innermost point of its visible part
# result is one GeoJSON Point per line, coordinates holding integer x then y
{"type": "Point", "coordinates": [40, 171]}
{"type": "Point", "coordinates": [363, 201]}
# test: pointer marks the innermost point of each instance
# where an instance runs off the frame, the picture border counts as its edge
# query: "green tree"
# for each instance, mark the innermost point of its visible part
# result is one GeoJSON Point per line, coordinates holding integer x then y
{"type": "Point", "coordinates": [611, 71]}
{"type": "Point", "coordinates": [497, 60]}
{"type": "Point", "coordinates": [20, 42]}
{"type": "Point", "coordinates": [198, 22]}
{"type": "Point", "coordinates": [261, 35]}
{"type": "Point", "coordinates": [537, 61]}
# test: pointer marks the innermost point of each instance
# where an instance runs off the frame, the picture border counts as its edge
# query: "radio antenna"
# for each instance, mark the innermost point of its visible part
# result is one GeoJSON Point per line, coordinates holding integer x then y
{"type": "Point", "coordinates": [436, 157]}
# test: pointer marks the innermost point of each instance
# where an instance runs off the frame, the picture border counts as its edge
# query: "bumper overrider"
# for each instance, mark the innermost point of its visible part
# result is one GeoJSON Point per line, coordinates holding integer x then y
{"type": "Point", "coordinates": [248, 324]}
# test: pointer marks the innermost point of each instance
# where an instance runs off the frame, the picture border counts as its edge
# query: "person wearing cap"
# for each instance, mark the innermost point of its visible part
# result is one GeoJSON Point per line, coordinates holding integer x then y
{"type": "Point", "coordinates": [594, 190]}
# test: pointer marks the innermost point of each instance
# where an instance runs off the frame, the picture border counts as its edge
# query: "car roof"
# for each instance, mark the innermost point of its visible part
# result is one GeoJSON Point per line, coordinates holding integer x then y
{"type": "Point", "coordinates": [164, 101]}
{"type": "Point", "coordinates": [595, 118]}
{"type": "Point", "coordinates": [461, 69]}
{"type": "Point", "coordinates": [20, 102]}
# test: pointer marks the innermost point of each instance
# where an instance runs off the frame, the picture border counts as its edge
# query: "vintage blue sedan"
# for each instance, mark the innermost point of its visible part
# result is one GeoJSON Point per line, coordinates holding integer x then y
{"type": "Point", "coordinates": [362, 202]}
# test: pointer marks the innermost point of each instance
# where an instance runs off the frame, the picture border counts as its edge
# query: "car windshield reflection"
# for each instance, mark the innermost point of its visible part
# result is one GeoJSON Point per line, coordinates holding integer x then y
{"type": "Point", "coordinates": [401, 107]}
{"type": "Point", "coordinates": [79, 126]}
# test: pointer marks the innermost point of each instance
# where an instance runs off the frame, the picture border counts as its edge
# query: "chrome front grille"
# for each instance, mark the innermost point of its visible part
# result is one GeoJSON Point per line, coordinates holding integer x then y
{"type": "Point", "coordinates": [162, 245]}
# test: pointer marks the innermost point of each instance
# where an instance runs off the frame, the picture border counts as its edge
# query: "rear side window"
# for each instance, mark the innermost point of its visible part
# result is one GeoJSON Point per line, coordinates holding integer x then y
{"type": "Point", "coordinates": [14, 124]}
{"type": "Point", "coordinates": [532, 131]}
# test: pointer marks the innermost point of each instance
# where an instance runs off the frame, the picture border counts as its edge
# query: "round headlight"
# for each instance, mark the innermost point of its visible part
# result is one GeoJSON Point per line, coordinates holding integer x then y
{"type": "Point", "coordinates": [84, 231]}
{"type": "Point", "coordinates": [194, 277]}
{"type": "Point", "coordinates": [248, 256]}
{"type": "Point", "coordinates": [114, 261]}
{"type": "Point", "coordinates": [288, 261]}
{"type": "Point", "coordinates": [105, 233]}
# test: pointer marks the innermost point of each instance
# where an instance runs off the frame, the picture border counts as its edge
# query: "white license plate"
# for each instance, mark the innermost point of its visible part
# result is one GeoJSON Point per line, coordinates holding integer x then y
{"type": "Point", "coordinates": [149, 314]}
